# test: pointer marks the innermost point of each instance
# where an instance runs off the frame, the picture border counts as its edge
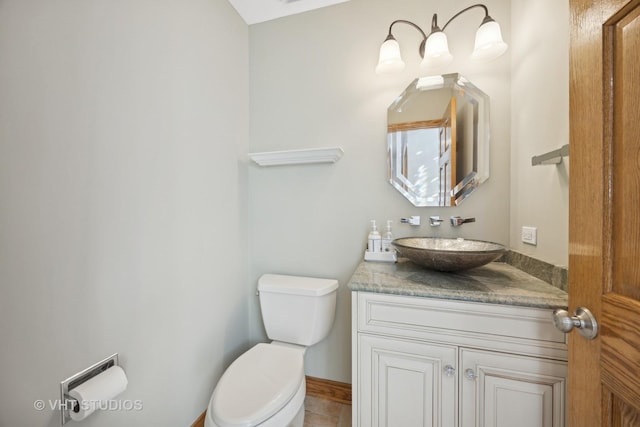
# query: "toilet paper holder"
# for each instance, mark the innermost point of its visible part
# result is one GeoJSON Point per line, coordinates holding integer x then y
{"type": "Point", "coordinates": [68, 403]}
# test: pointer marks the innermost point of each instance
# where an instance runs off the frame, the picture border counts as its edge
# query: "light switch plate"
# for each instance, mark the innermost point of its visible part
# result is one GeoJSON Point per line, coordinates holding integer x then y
{"type": "Point", "coordinates": [530, 235]}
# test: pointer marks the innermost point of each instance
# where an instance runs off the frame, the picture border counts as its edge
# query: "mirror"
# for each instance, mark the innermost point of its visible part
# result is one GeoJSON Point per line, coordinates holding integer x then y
{"type": "Point", "coordinates": [438, 140]}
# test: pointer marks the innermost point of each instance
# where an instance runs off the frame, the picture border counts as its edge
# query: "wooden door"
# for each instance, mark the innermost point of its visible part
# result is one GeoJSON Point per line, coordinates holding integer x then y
{"type": "Point", "coordinates": [604, 211]}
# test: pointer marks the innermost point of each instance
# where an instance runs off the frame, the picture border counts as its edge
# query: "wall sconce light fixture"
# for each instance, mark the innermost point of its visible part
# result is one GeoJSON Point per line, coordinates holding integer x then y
{"type": "Point", "coordinates": [434, 48]}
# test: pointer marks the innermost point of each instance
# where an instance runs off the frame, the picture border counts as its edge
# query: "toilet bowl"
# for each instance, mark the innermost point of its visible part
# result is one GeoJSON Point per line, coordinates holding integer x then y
{"type": "Point", "coordinates": [266, 386]}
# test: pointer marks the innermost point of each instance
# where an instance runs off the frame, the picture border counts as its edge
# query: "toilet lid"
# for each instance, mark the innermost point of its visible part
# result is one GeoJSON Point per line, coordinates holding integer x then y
{"type": "Point", "coordinates": [257, 385]}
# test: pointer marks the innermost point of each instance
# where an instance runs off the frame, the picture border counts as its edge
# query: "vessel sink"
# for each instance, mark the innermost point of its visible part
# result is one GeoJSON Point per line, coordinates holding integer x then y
{"type": "Point", "coordinates": [448, 254]}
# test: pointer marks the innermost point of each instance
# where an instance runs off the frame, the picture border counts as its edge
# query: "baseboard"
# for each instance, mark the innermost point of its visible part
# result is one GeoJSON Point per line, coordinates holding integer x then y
{"type": "Point", "coordinates": [328, 389]}
{"type": "Point", "coordinates": [200, 421]}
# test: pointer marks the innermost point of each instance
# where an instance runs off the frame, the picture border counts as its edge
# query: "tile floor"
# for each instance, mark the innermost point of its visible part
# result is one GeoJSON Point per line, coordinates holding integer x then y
{"type": "Point", "coordinates": [326, 413]}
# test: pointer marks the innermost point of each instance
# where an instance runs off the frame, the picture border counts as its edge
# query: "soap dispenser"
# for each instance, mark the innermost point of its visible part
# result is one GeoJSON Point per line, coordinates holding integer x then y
{"type": "Point", "coordinates": [387, 239]}
{"type": "Point", "coordinates": [374, 242]}
{"type": "Point", "coordinates": [375, 249]}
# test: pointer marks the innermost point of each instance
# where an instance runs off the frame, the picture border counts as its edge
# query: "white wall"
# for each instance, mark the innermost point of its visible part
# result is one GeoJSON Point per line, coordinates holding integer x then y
{"type": "Point", "coordinates": [313, 85]}
{"type": "Point", "coordinates": [540, 123]}
{"type": "Point", "coordinates": [123, 136]}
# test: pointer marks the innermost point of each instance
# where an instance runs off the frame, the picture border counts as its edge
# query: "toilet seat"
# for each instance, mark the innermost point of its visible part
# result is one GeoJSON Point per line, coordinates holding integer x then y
{"type": "Point", "coordinates": [257, 385]}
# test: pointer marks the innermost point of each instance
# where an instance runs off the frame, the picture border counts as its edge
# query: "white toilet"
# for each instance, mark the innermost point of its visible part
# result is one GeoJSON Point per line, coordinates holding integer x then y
{"type": "Point", "coordinates": [266, 386]}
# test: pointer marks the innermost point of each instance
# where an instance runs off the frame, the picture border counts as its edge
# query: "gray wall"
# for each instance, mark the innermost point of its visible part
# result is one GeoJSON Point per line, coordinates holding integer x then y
{"type": "Point", "coordinates": [313, 85]}
{"type": "Point", "coordinates": [123, 188]}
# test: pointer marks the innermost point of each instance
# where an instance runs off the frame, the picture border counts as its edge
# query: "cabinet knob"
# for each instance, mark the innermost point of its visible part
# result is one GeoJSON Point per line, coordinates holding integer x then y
{"type": "Point", "coordinates": [470, 374]}
{"type": "Point", "coordinates": [449, 370]}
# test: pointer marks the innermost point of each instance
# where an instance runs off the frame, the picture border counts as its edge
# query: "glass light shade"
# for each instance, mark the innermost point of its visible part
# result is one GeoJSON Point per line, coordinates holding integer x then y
{"type": "Point", "coordinates": [390, 60]}
{"type": "Point", "coordinates": [489, 44]}
{"type": "Point", "coordinates": [436, 51]}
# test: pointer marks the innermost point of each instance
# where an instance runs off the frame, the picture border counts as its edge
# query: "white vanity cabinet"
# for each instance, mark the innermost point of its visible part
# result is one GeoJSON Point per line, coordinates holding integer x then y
{"type": "Point", "coordinates": [435, 362]}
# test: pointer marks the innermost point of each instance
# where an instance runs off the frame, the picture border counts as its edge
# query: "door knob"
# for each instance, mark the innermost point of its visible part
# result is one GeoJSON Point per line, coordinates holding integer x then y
{"type": "Point", "coordinates": [582, 319]}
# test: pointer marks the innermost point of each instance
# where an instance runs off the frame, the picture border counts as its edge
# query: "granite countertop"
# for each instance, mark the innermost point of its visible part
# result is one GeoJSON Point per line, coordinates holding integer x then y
{"type": "Point", "coordinates": [494, 283]}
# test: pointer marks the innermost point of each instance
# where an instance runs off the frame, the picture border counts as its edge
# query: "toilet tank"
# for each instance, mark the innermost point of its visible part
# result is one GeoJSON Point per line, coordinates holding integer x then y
{"type": "Point", "coordinates": [295, 309]}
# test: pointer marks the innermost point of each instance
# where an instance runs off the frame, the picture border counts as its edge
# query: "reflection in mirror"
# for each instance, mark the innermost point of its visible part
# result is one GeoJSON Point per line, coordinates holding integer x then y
{"type": "Point", "coordinates": [438, 140]}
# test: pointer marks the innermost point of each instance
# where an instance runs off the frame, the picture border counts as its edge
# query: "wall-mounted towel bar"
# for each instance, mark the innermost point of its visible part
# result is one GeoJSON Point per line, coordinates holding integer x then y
{"type": "Point", "coordinates": [552, 157]}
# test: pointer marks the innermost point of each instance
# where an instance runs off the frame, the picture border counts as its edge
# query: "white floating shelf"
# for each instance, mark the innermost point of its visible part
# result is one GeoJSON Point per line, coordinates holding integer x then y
{"type": "Point", "coordinates": [297, 157]}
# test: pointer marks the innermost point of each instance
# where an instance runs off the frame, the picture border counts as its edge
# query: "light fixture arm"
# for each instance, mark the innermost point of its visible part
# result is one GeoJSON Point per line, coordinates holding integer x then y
{"type": "Point", "coordinates": [404, 21]}
{"type": "Point", "coordinates": [486, 19]}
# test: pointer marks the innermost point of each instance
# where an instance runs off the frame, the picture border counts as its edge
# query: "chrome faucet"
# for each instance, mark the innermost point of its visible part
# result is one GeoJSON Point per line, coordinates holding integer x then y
{"type": "Point", "coordinates": [457, 221]}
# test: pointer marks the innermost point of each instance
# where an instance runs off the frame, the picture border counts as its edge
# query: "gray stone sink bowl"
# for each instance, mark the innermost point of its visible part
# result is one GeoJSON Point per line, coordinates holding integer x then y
{"type": "Point", "coordinates": [448, 254]}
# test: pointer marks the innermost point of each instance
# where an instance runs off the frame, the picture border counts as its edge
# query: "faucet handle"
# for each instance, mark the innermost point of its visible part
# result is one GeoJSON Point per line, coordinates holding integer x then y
{"type": "Point", "coordinates": [457, 221]}
{"type": "Point", "coordinates": [435, 221]}
{"type": "Point", "coordinates": [412, 220]}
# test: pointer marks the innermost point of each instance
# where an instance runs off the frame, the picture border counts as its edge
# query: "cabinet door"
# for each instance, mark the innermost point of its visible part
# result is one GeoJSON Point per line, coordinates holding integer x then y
{"type": "Point", "coordinates": [405, 383]}
{"type": "Point", "coordinates": [504, 390]}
